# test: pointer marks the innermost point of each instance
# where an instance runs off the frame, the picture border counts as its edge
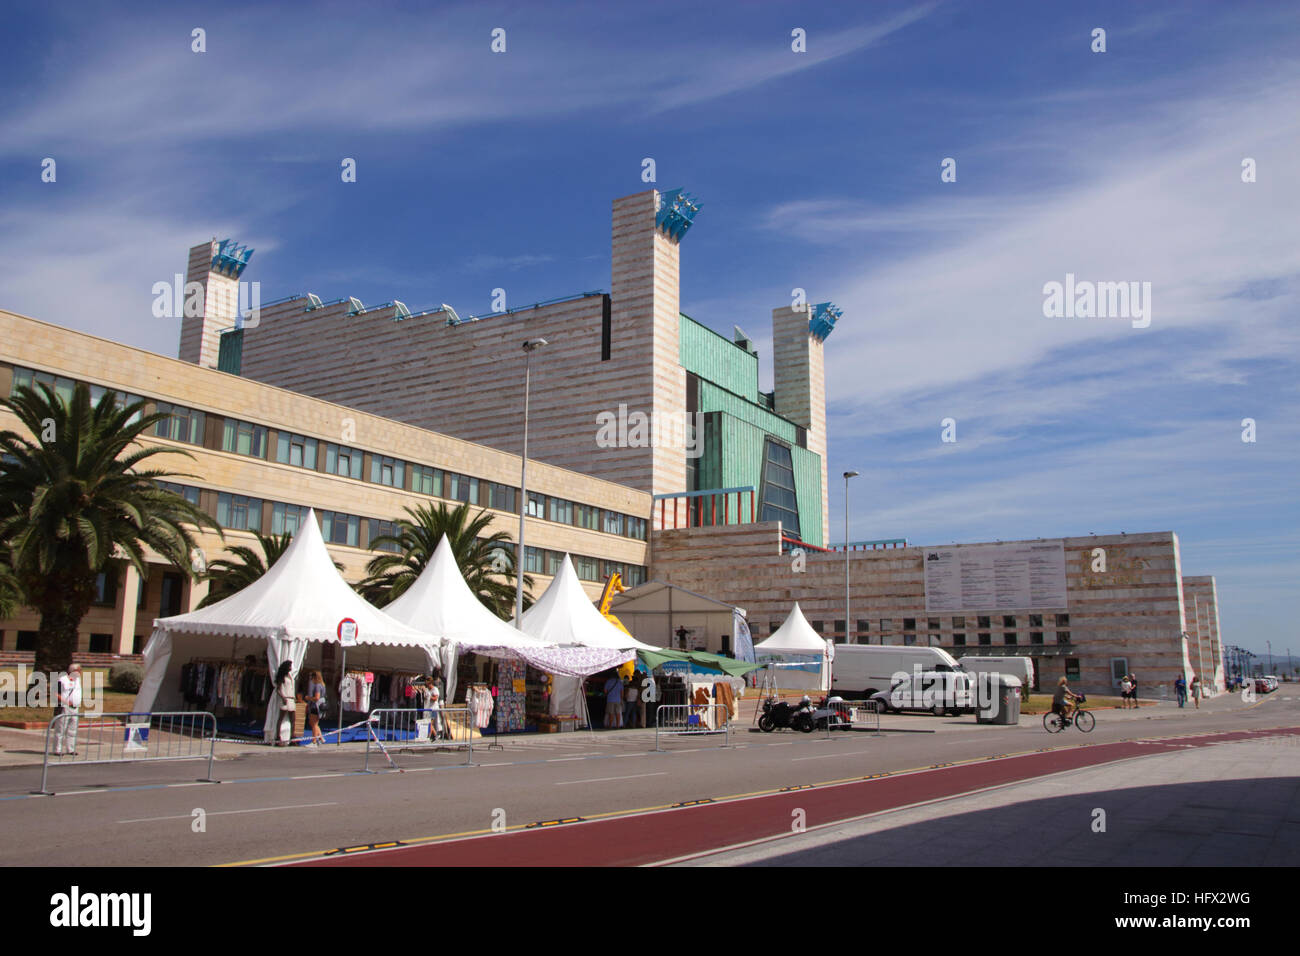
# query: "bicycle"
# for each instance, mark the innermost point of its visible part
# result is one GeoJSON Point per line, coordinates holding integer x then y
{"type": "Point", "coordinates": [1054, 723]}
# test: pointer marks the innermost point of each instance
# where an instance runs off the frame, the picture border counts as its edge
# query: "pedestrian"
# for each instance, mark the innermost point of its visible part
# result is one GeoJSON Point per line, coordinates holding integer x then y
{"type": "Point", "coordinates": [315, 706]}
{"type": "Point", "coordinates": [1180, 690]}
{"type": "Point", "coordinates": [629, 703]}
{"type": "Point", "coordinates": [1133, 694]}
{"type": "Point", "coordinates": [434, 703]}
{"type": "Point", "coordinates": [284, 701]}
{"type": "Point", "coordinates": [69, 700]}
{"type": "Point", "coordinates": [1196, 691]}
{"type": "Point", "coordinates": [1125, 692]}
{"type": "Point", "coordinates": [613, 701]}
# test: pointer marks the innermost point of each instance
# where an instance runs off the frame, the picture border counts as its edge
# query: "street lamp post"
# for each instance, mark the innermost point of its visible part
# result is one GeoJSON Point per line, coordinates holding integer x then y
{"type": "Point", "coordinates": [530, 346]}
{"type": "Point", "coordinates": [847, 606]}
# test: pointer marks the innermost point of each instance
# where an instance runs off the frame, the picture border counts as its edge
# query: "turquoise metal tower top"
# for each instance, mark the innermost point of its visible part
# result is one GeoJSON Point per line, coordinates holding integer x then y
{"type": "Point", "coordinates": [231, 258]}
{"type": "Point", "coordinates": [824, 317]}
{"type": "Point", "coordinates": [677, 211]}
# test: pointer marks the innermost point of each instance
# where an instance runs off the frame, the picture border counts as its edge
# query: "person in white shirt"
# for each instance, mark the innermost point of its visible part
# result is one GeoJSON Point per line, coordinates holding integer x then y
{"type": "Point", "coordinates": [65, 737]}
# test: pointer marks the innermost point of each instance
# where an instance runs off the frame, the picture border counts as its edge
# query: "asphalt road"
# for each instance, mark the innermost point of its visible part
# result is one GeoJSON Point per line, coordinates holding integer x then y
{"type": "Point", "coordinates": [277, 806]}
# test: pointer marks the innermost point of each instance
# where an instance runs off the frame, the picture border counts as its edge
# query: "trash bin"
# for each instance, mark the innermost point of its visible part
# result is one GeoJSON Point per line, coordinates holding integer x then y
{"type": "Point", "coordinates": [1005, 705]}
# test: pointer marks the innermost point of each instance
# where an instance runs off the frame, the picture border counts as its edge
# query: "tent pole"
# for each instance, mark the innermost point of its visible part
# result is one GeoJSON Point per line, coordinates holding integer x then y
{"type": "Point", "coordinates": [342, 672]}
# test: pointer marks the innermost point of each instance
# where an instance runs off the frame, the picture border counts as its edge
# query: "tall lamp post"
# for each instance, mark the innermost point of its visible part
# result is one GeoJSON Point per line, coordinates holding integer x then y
{"type": "Point", "coordinates": [530, 346]}
{"type": "Point", "coordinates": [847, 608]}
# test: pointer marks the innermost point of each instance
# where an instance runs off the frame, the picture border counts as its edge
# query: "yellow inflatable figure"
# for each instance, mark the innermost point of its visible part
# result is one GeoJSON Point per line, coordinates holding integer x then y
{"type": "Point", "coordinates": [614, 585]}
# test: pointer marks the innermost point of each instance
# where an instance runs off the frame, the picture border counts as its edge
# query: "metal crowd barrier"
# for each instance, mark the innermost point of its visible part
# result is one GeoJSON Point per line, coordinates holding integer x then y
{"type": "Point", "coordinates": [82, 739]}
{"type": "Point", "coordinates": [845, 714]}
{"type": "Point", "coordinates": [692, 720]}
{"type": "Point", "coordinates": [409, 730]}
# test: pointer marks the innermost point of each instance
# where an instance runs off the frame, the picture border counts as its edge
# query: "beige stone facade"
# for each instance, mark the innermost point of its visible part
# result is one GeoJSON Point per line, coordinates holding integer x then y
{"type": "Point", "coordinates": [1130, 618]}
{"type": "Point", "coordinates": [53, 351]}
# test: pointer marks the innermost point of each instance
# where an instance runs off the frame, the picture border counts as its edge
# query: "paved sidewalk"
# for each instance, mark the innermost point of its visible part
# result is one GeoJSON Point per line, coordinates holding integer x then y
{"type": "Point", "coordinates": [1232, 804]}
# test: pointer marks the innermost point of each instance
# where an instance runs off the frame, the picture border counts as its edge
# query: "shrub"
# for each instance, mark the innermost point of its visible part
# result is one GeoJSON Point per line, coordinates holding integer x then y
{"type": "Point", "coordinates": [125, 678]}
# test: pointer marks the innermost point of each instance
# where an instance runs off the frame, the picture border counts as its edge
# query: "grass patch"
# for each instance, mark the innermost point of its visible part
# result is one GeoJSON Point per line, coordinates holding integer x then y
{"type": "Point", "coordinates": [1042, 703]}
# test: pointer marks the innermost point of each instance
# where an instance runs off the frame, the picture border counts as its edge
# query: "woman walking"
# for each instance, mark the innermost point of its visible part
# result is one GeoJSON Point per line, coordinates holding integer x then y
{"type": "Point", "coordinates": [315, 706]}
{"type": "Point", "coordinates": [284, 696]}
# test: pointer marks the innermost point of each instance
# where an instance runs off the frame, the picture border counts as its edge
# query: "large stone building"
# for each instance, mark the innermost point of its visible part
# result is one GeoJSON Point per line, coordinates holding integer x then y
{"type": "Point", "coordinates": [652, 451]}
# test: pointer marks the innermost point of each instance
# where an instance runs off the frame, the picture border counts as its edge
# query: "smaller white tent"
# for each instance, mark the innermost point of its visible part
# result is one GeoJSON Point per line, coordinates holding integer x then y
{"type": "Point", "coordinates": [564, 615]}
{"type": "Point", "coordinates": [440, 603]}
{"type": "Point", "coordinates": [796, 637]}
{"type": "Point", "coordinates": [301, 599]}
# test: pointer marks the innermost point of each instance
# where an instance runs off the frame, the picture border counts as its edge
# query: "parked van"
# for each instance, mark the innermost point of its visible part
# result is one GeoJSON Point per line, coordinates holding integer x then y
{"type": "Point", "coordinates": [939, 692]}
{"type": "Point", "coordinates": [860, 670]}
{"type": "Point", "coordinates": [1020, 667]}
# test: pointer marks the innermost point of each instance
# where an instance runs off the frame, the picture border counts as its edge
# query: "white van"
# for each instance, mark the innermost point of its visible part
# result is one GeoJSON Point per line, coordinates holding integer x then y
{"type": "Point", "coordinates": [860, 670]}
{"type": "Point", "coordinates": [939, 692]}
{"type": "Point", "coordinates": [1021, 667]}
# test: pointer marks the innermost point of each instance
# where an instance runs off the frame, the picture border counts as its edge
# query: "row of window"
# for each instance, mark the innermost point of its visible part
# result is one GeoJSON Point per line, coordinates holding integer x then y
{"type": "Point", "coordinates": [64, 388]}
{"type": "Point", "coordinates": [188, 425]}
{"type": "Point", "coordinates": [246, 438]}
{"type": "Point", "coordinates": [244, 513]}
{"type": "Point", "coordinates": [934, 624]}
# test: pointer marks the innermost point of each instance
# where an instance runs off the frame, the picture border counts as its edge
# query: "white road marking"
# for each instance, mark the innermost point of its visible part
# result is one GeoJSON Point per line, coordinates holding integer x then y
{"type": "Point", "coordinates": [562, 759]}
{"type": "Point", "coordinates": [847, 753]}
{"type": "Point", "coordinates": [569, 783]}
{"type": "Point", "coordinates": [223, 813]}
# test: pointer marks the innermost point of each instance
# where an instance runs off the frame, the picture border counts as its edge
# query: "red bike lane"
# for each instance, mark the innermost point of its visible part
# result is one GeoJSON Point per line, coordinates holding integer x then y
{"type": "Point", "coordinates": [654, 836]}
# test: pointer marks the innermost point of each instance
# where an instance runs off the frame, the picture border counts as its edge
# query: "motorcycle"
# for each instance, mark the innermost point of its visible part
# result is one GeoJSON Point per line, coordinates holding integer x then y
{"type": "Point", "coordinates": [779, 714]}
{"type": "Point", "coordinates": [830, 712]}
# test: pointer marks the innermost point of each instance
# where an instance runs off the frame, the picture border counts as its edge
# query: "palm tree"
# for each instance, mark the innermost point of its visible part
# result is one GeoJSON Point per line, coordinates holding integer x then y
{"type": "Point", "coordinates": [229, 577]}
{"type": "Point", "coordinates": [486, 566]}
{"type": "Point", "coordinates": [73, 500]}
{"type": "Point", "coordinates": [11, 595]}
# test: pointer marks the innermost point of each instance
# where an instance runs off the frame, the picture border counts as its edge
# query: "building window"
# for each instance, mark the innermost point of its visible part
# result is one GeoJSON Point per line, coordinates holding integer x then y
{"type": "Point", "coordinates": [1118, 669]}
{"type": "Point", "coordinates": [560, 510]}
{"type": "Point", "coordinates": [532, 559]}
{"type": "Point", "coordinates": [500, 497]}
{"type": "Point", "coordinates": [287, 519]}
{"type": "Point", "coordinates": [339, 528]}
{"type": "Point", "coordinates": [959, 640]}
{"type": "Point", "coordinates": [141, 594]}
{"type": "Point", "coordinates": [587, 516]}
{"type": "Point", "coordinates": [342, 460]}
{"type": "Point", "coordinates": [886, 625]}
{"type": "Point", "coordinates": [958, 623]}
{"type": "Point", "coordinates": [983, 621]}
{"type": "Point", "coordinates": [173, 592]}
{"type": "Point", "coordinates": [909, 639]}
{"type": "Point", "coordinates": [1063, 637]}
{"type": "Point", "coordinates": [105, 588]}
{"type": "Point", "coordinates": [636, 528]}
{"type": "Point", "coordinates": [460, 487]}
{"type": "Point", "coordinates": [773, 627]}
{"type": "Point", "coordinates": [1009, 637]}
{"type": "Point", "coordinates": [1008, 620]}
{"type": "Point", "coordinates": [120, 401]}
{"type": "Point", "coordinates": [986, 639]}
{"type": "Point", "coordinates": [839, 625]}
{"type": "Point", "coordinates": [1035, 620]}
{"type": "Point", "coordinates": [296, 450]}
{"type": "Point", "coordinates": [384, 529]}
{"type": "Point", "coordinates": [817, 626]}
{"type": "Point", "coordinates": [183, 424]}
{"type": "Point", "coordinates": [863, 626]}
{"type": "Point", "coordinates": [536, 505]}
{"type": "Point", "coordinates": [387, 471]}
{"type": "Point", "coordinates": [553, 561]}
{"type": "Point", "coordinates": [239, 513]}
{"type": "Point", "coordinates": [1062, 620]}
{"type": "Point", "coordinates": [934, 624]}
{"type": "Point", "coordinates": [587, 568]}
{"type": "Point", "coordinates": [613, 522]}
{"type": "Point", "coordinates": [909, 624]}
{"type": "Point", "coordinates": [1035, 637]}
{"type": "Point", "coordinates": [138, 643]}
{"type": "Point", "coordinates": [426, 481]}
{"type": "Point", "coordinates": [26, 641]}
{"type": "Point", "coordinates": [244, 438]}
{"type": "Point", "coordinates": [63, 387]}
{"type": "Point", "coordinates": [779, 502]}
{"type": "Point", "coordinates": [1072, 668]}
{"type": "Point", "coordinates": [185, 491]}
{"type": "Point", "coordinates": [101, 644]}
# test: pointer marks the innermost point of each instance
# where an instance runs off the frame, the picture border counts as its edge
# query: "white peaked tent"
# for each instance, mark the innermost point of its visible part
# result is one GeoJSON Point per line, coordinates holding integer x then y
{"type": "Point", "coordinates": [301, 599]}
{"type": "Point", "coordinates": [796, 637]}
{"type": "Point", "coordinates": [440, 603]}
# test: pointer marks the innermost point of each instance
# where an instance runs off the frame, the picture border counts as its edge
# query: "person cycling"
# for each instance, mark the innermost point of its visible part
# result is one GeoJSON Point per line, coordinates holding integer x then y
{"type": "Point", "coordinates": [1063, 701]}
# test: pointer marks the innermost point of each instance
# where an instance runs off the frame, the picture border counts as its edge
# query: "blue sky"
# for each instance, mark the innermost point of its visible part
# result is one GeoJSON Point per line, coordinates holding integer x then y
{"type": "Point", "coordinates": [818, 170]}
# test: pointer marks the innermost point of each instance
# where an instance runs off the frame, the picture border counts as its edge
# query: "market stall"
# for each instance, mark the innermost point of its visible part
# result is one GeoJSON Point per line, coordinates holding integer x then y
{"type": "Point", "coordinates": [796, 646]}
{"type": "Point", "coordinates": [220, 657]}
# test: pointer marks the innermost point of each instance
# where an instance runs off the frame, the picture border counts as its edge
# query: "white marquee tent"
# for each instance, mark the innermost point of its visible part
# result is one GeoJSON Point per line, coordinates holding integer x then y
{"type": "Point", "coordinates": [795, 637]}
{"type": "Point", "coordinates": [300, 600]}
